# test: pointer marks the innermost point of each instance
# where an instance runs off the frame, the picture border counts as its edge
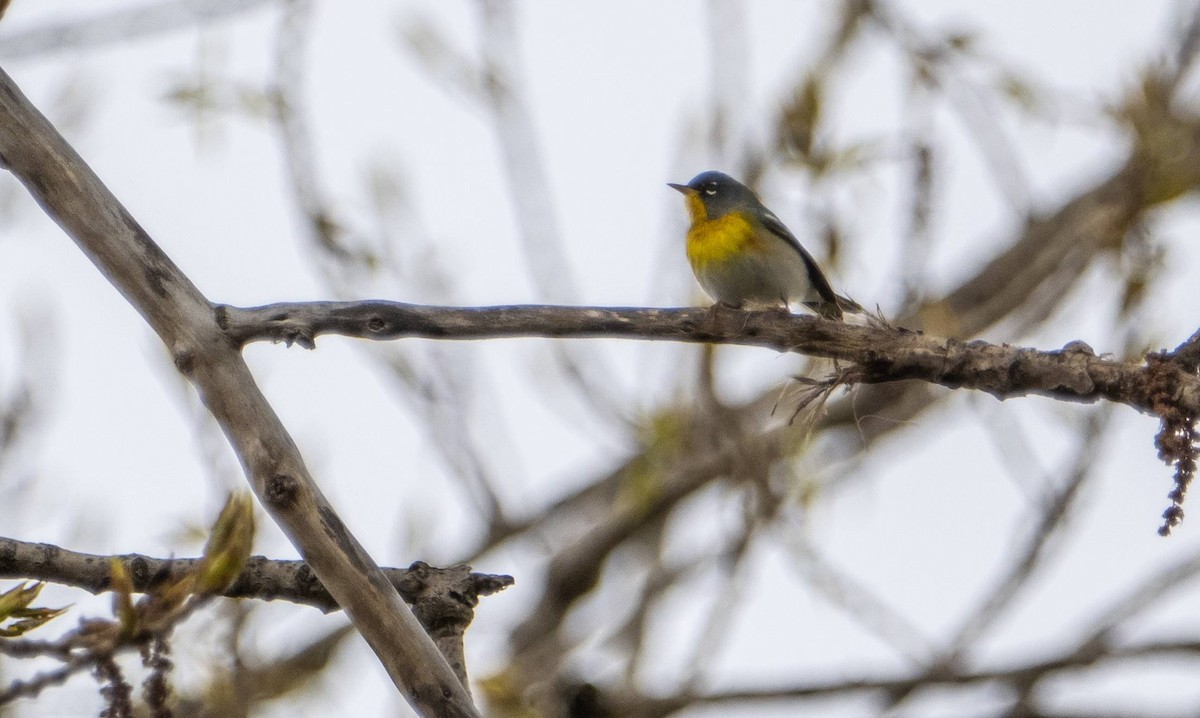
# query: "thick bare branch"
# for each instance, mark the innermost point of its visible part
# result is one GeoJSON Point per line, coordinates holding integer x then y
{"type": "Point", "coordinates": [879, 355]}
{"type": "Point", "coordinates": [79, 202]}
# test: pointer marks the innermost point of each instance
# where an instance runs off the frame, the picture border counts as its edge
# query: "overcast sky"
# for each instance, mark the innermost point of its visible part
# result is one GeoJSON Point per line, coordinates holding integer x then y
{"type": "Point", "coordinates": [124, 460]}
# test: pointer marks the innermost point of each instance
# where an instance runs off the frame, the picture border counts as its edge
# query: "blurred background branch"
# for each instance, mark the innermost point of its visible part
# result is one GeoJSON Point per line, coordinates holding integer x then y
{"type": "Point", "coordinates": [121, 25]}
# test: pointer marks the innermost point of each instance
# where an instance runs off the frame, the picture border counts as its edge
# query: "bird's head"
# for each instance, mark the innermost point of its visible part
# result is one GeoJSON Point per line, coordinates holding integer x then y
{"type": "Point", "coordinates": [713, 194]}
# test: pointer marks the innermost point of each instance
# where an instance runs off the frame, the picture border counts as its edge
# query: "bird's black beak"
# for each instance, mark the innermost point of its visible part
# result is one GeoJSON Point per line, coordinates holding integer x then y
{"type": "Point", "coordinates": [682, 188]}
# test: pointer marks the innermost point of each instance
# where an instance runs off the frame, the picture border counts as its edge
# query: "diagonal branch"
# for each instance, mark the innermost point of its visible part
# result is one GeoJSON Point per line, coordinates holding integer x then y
{"type": "Point", "coordinates": [78, 201]}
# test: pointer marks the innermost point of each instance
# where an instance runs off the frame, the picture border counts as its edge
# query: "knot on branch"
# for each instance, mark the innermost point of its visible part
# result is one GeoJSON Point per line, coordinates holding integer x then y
{"type": "Point", "coordinates": [1177, 437]}
{"type": "Point", "coordinates": [292, 332]}
{"type": "Point", "coordinates": [446, 597]}
{"type": "Point", "coordinates": [282, 491]}
{"type": "Point", "coordinates": [444, 600]}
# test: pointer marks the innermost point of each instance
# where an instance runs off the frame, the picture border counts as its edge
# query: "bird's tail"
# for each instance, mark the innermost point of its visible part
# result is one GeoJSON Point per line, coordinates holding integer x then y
{"type": "Point", "coordinates": [834, 310]}
{"type": "Point", "coordinates": [848, 305]}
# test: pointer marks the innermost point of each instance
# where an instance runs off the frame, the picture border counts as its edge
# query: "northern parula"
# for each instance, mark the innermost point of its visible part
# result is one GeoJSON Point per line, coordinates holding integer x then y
{"type": "Point", "coordinates": [742, 254]}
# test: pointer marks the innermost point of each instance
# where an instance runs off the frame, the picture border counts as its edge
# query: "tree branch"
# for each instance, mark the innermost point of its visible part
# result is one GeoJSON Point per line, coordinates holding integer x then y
{"type": "Point", "coordinates": [630, 705]}
{"type": "Point", "coordinates": [78, 201]}
{"type": "Point", "coordinates": [263, 578]}
{"type": "Point", "coordinates": [443, 599]}
{"type": "Point", "coordinates": [878, 354]}
{"type": "Point", "coordinates": [122, 25]}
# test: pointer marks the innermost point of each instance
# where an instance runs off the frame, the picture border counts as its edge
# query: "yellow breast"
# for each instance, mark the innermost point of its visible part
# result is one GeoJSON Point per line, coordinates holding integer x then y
{"type": "Point", "coordinates": [711, 241]}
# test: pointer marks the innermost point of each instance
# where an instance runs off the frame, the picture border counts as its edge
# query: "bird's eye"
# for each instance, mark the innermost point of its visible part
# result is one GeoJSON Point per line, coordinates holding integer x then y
{"type": "Point", "coordinates": [710, 189]}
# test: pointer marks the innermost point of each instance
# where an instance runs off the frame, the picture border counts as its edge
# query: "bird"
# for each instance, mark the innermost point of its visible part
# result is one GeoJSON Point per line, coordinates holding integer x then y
{"type": "Point", "coordinates": [742, 255]}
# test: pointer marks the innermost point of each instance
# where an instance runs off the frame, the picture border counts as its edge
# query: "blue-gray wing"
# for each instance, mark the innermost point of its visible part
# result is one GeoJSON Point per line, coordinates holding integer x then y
{"type": "Point", "coordinates": [829, 305]}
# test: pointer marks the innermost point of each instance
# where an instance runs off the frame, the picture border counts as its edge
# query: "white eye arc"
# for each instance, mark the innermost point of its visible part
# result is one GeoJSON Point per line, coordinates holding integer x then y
{"type": "Point", "coordinates": [710, 191]}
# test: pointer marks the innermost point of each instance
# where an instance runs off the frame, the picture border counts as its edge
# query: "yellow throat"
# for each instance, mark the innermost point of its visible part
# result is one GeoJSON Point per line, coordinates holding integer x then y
{"type": "Point", "coordinates": [712, 241]}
